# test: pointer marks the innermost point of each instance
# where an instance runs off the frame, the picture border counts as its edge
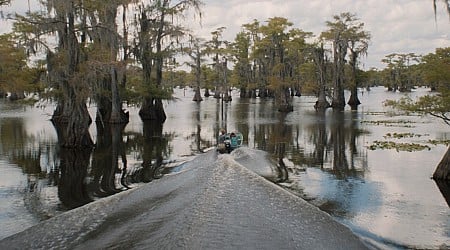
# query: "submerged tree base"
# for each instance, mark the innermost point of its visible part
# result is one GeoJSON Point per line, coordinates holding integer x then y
{"type": "Point", "coordinates": [120, 117]}
{"type": "Point", "coordinates": [321, 105]}
{"type": "Point", "coordinates": [73, 136]}
{"type": "Point", "coordinates": [153, 111]}
{"type": "Point", "coordinates": [354, 101]}
{"type": "Point", "coordinates": [72, 122]}
{"type": "Point", "coordinates": [108, 117]}
{"type": "Point", "coordinates": [338, 104]}
{"type": "Point", "coordinates": [197, 96]}
{"type": "Point", "coordinates": [286, 108]}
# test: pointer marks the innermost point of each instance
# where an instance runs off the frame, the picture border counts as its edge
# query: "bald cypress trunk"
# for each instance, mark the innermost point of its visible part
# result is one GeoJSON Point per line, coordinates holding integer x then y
{"type": "Point", "coordinates": [354, 100]}
{"type": "Point", "coordinates": [197, 96]}
{"type": "Point", "coordinates": [284, 100]}
{"type": "Point", "coordinates": [73, 113]}
{"type": "Point", "coordinates": [118, 115]}
{"type": "Point", "coordinates": [340, 51]}
{"type": "Point", "coordinates": [207, 94]}
{"type": "Point", "coordinates": [77, 131]}
{"type": "Point", "coordinates": [152, 108]}
{"type": "Point", "coordinates": [321, 103]}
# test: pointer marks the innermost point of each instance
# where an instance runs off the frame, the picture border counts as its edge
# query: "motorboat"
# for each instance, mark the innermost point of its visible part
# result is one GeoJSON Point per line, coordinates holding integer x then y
{"type": "Point", "coordinates": [227, 142]}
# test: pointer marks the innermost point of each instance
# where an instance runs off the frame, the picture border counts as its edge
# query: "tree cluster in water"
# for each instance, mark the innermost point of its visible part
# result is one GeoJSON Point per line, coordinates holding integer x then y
{"type": "Point", "coordinates": [116, 52]}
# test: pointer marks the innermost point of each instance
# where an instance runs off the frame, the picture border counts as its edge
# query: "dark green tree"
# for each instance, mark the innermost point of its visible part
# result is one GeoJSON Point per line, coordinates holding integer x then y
{"type": "Point", "coordinates": [157, 35]}
{"type": "Point", "coordinates": [64, 64]}
{"type": "Point", "coordinates": [196, 51]}
{"type": "Point", "coordinates": [358, 46]}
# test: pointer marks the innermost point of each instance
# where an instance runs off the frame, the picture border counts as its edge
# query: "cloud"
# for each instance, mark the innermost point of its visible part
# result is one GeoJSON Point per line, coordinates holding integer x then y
{"type": "Point", "coordinates": [395, 25]}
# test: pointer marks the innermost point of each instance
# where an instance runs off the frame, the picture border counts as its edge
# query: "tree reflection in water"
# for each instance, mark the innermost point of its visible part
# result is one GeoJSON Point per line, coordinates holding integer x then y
{"type": "Point", "coordinates": [105, 161]}
{"type": "Point", "coordinates": [326, 153]}
{"type": "Point", "coordinates": [153, 150]}
{"type": "Point", "coordinates": [72, 189]}
{"type": "Point", "coordinates": [340, 164]}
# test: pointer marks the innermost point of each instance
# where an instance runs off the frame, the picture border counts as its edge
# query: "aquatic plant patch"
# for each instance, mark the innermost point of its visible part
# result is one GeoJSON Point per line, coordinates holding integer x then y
{"type": "Point", "coordinates": [409, 147]}
{"type": "Point", "coordinates": [403, 135]}
{"type": "Point", "coordinates": [439, 142]}
{"type": "Point", "coordinates": [393, 123]}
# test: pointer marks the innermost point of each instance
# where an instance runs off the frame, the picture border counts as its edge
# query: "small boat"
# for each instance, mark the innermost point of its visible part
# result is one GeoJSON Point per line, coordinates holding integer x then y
{"type": "Point", "coordinates": [229, 141]}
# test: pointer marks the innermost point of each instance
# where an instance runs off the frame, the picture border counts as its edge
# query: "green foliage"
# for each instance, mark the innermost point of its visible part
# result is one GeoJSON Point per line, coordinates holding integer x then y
{"type": "Point", "coordinates": [437, 105]}
{"type": "Point", "coordinates": [15, 75]}
{"type": "Point", "coordinates": [436, 68]}
{"type": "Point", "coordinates": [401, 71]}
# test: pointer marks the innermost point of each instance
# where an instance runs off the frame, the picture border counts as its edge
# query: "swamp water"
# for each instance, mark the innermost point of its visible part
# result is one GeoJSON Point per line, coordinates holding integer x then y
{"type": "Point", "coordinates": [338, 161]}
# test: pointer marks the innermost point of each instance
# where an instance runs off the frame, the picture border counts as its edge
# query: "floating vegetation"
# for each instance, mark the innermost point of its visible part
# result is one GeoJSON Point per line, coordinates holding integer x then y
{"type": "Point", "coordinates": [439, 142]}
{"type": "Point", "coordinates": [409, 147]}
{"type": "Point", "coordinates": [403, 135]}
{"type": "Point", "coordinates": [375, 113]}
{"type": "Point", "coordinates": [393, 123]}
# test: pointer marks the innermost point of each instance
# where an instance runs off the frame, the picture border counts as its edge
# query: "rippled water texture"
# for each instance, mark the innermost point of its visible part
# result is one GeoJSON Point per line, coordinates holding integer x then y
{"type": "Point", "coordinates": [384, 195]}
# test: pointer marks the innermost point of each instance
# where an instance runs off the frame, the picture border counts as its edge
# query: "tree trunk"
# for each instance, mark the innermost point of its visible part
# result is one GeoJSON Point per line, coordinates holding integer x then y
{"type": "Point", "coordinates": [197, 95]}
{"type": "Point", "coordinates": [284, 101]}
{"type": "Point", "coordinates": [63, 110]}
{"type": "Point", "coordinates": [354, 100]}
{"type": "Point", "coordinates": [262, 93]}
{"type": "Point", "coordinates": [340, 51]}
{"type": "Point", "coordinates": [243, 93]}
{"type": "Point", "coordinates": [207, 94]}
{"type": "Point", "coordinates": [153, 109]}
{"type": "Point", "coordinates": [16, 96]}
{"type": "Point", "coordinates": [227, 97]}
{"type": "Point", "coordinates": [77, 131]}
{"type": "Point", "coordinates": [147, 112]}
{"type": "Point", "coordinates": [159, 110]}
{"type": "Point", "coordinates": [103, 101]}
{"type": "Point", "coordinates": [321, 103]}
{"type": "Point", "coordinates": [117, 113]}
{"type": "Point", "coordinates": [442, 171]}
{"type": "Point", "coordinates": [297, 92]}
{"type": "Point", "coordinates": [217, 93]}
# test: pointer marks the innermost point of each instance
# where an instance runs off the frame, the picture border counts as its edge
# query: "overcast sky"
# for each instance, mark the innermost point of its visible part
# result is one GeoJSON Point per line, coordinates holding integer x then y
{"type": "Point", "coordinates": [402, 26]}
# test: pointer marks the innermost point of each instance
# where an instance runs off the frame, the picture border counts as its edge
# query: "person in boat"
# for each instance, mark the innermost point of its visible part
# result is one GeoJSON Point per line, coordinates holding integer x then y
{"type": "Point", "coordinates": [233, 140]}
{"type": "Point", "coordinates": [222, 135]}
{"type": "Point", "coordinates": [221, 142]}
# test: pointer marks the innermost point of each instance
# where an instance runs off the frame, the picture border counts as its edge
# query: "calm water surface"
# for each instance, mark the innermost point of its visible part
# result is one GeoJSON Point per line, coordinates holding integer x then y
{"type": "Point", "coordinates": [383, 195]}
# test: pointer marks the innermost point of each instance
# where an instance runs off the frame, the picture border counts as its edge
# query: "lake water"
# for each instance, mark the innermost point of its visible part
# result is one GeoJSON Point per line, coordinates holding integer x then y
{"type": "Point", "coordinates": [384, 195]}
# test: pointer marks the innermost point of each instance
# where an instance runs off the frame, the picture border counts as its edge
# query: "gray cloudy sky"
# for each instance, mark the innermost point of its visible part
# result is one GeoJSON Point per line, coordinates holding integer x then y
{"type": "Point", "coordinates": [401, 26]}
